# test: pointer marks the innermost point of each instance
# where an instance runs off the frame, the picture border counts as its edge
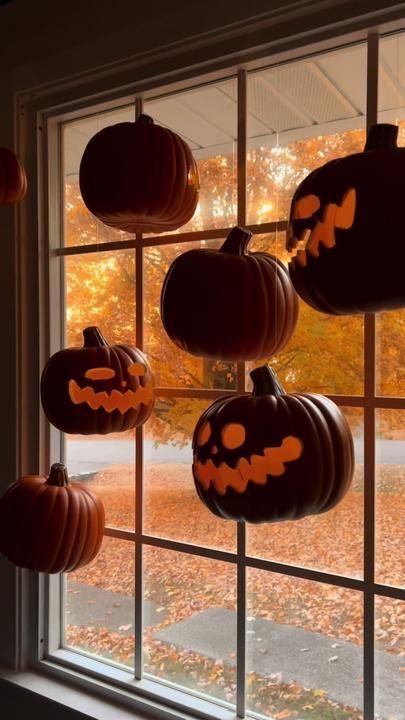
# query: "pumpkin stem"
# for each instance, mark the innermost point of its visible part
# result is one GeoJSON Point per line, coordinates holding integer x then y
{"type": "Point", "coordinates": [93, 337]}
{"type": "Point", "coordinates": [237, 241]}
{"type": "Point", "coordinates": [58, 475]}
{"type": "Point", "coordinates": [144, 119]}
{"type": "Point", "coordinates": [265, 382]}
{"type": "Point", "coordinates": [382, 135]}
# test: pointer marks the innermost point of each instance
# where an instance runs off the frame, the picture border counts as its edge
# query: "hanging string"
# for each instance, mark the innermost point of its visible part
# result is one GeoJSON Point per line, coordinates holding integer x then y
{"type": "Point", "coordinates": [397, 85]}
{"type": "Point", "coordinates": [276, 253]}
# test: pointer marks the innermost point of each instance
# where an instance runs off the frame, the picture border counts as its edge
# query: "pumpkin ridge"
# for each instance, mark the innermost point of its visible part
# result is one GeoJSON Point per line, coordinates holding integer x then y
{"type": "Point", "coordinates": [91, 535]}
{"type": "Point", "coordinates": [329, 475]}
{"type": "Point", "coordinates": [264, 280]}
{"type": "Point", "coordinates": [342, 450]}
{"type": "Point", "coordinates": [177, 195]}
{"type": "Point", "coordinates": [64, 557]}
{"type": "Point", "coordinates": [59, 520]}
{"type": "Point", "coordinates": [42, 520]}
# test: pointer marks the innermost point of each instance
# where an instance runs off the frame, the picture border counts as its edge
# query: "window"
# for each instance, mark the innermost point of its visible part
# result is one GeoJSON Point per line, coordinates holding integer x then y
{"type": "Point", "coordinates": [274, 620]}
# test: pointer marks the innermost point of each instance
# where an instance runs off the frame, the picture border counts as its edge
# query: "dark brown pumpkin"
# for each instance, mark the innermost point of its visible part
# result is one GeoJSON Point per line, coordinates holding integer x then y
{"type": "Point", "coordinates": [13, 180]}
{"type": "Point", "coordinates": [49, 524]}
{"type": "Point", "coordinates": [229, 303]}
{"type": "Point", "coordinates": [346, 231]}
{"type": "Point", "coordinates": [271, 456]}
{"type": "Point", "coordinates": [139, 177]}
{"type": "Point", "coordinates": [97, 389]}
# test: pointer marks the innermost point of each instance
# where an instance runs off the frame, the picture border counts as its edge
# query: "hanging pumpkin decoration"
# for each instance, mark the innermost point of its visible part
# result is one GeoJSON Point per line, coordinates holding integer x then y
{"type": "Point", "coordinates": [139, 177]}
{"type": "Point", "coordinates": [346, 233]}
{"type": "Point", "coordinates": [50, 524]}
{"type": "Point", "coordinates": [97, 389]}
{"type": "Point", "coordinates": [271, 456]}
{"type": "Point", "coordinates": [230, 303]}
{"type": "Point", "coordinates": [13, 180]}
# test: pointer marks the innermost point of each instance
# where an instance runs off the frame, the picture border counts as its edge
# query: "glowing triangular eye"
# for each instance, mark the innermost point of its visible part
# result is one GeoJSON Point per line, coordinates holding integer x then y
{"type": "Point", "coordinates": [233, 436]}
{"type": "Point", "coordinates": [100, 373]}
{"type": "Point", "coordinates": [204, 434]}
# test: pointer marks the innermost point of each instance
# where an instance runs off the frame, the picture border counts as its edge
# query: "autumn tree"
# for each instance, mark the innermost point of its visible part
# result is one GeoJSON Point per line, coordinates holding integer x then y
{"type": "Point", "coordinates": [325, 353]}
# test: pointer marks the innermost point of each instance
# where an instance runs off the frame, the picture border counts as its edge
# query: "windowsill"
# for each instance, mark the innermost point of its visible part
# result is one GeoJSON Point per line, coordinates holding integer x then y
{"type": "Point", "coordinates": [71, 698]}
{"type": "Point", "coordinates": [59, 681]}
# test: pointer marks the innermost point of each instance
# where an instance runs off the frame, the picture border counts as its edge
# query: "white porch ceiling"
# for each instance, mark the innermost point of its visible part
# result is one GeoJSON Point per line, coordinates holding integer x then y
{"type": "Point", "coordinates": [319, 96]}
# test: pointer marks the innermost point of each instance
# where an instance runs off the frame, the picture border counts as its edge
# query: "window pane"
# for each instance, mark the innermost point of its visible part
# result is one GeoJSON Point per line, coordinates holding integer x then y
{"type": "Point", "coordinates": [390, 500]}
{"type": "Point", "coordinates": [389, 658]}
{"type": "Point", "coordinates": [391, 100]}
{"type": "Point", "coordinates": [99, 605]}
{"type": "Point", "coordinates": [304, 648]}
{"type": "Point", "coordinates": [391, 106]}
{"type": "Point", "coordinates": [331, 541]}
{"type": "Point", "coordinates": [100, 290]}
{"type": "Point", "coordinates": [300, 116]}
{"type": "Point", "coordinates": [106, 465]}
{"type": "Point", "coordinates": [190, 622]}
{"type": "Point", "coordinates": [390, 351]}
{"type": "Point", "coordinates": [206, 118]}
{"type": "Point", "coordinates": [172, 506]}
{"type": "Point", "coordinates": [319, 357]}
{"type": "Point", "coordinates": [81, 227]}
{"type": "Point", "coordinates": [172, 366]}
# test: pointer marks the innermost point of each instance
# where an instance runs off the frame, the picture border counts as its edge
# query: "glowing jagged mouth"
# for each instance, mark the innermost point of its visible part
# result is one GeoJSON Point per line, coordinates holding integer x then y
{"type": "Point", "coordinates": [116, 400]}
{"type": "Point", "coordinates": [256, 468]}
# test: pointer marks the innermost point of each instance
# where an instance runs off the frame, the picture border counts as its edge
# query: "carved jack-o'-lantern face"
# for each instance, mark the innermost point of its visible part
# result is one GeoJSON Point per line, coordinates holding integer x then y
{"type": "Point", "coordinates": [271, 456]}
{"type": "Point", "coordinates": [97, 389]}
{"type": "Point", "coordinates": [316, 225]}
{"type": "Point", "coordinates": [344, 218]}
{"type": "Point", "coordinates": [116, 399]}
{"type": "Point", "coordinates": [256, 467]}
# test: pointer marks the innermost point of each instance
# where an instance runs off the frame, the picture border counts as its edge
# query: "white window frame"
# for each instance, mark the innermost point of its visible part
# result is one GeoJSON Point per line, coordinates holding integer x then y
{"type": "Point", "coordinates": [43, 330]}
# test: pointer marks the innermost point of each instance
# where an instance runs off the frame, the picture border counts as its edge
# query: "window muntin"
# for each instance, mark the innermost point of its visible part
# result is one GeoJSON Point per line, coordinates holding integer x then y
{"type": "Point", "coordinates": [354, 400]}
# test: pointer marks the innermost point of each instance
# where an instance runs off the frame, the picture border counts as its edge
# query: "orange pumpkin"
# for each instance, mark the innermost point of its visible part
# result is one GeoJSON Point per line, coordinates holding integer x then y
{"type": "Point", "coordinates": [13, 180]}
{"type": "Point", "coordinates": [139, 177]}
{"type": "Point", "coordinates": [50, 524]}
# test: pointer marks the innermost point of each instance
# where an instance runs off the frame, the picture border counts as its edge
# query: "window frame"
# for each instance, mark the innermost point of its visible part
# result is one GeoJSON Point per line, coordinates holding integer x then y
{"type": "Point", "coordinates": [42, 651]}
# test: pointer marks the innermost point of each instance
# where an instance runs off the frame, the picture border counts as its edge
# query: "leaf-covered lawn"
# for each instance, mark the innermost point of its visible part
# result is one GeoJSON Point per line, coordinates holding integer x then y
{"type": "Point", "coordinates": [180, 584]}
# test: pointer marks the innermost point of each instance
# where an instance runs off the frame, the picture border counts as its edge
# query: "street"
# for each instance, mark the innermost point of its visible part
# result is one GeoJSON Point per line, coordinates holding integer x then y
{"type": "Point", "coordinates": [88, 455]}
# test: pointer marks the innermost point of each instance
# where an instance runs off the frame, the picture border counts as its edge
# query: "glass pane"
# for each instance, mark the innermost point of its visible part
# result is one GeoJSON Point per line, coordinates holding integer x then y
{"type": "Point", "coordinates": [172, 366]}
{"type": "Point", "coordinates": [81, 227]}
{"type": "Point", "coordinates": [331, 541]}
{"type": "Point", "coordinates": [172, 507]}
{"type": "Point", "coordinates": [304, 648]}
{"type": "Point", "coordinates": [391, 99]}
{"type": "Point", "coordinates": [300, 116]}
{"type": "Point", "coordinates": [339, 370]}
{"type": "Point", "coordinates": [99, 604]}
{"type": "Point", "coordinates": [206, 118]}
{"type": "Point", "coordinates": [389, 658]}
{"type": "Point", "coordinates": [390, 351]}
{"type": "Point", "coordinates": [390, 499]}
{"type": "Point", "coordinates": [106, 465]}
{"type": "Point", "coordinates": [100, 290]}
{"type": "Point", "coordinates": [190, 622]}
